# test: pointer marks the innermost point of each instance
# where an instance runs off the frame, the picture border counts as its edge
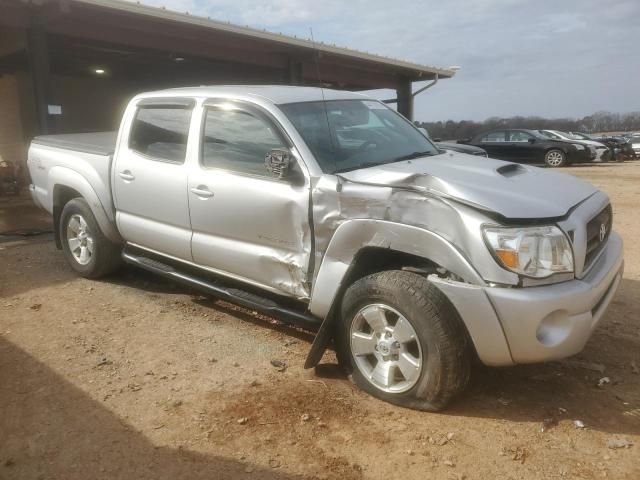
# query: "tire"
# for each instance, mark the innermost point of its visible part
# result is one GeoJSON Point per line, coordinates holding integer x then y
{"type": "Point", "coordinates": [85, 247]}
{"type": "Point", "coordinates": [555, 158]}
{"type": "Point", "coordinates": [440, 342]}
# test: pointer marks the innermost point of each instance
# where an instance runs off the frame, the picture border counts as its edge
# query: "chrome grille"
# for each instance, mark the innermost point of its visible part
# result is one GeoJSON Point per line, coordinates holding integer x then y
{"type": "Point", "coordinates": [598, 230]}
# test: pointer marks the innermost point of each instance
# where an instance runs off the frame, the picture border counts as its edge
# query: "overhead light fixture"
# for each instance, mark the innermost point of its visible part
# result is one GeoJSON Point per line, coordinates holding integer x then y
{"type": "Point", "coordinates": [178, 59]}
{"type": "Point", "coordinates": [99, 71]}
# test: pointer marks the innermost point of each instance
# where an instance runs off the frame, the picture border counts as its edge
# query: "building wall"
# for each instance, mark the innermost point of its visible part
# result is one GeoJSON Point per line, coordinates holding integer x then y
{"type": "Point", "coordinates": [89, 104]}
{"type": "Point", "coordinates": [12, 142]}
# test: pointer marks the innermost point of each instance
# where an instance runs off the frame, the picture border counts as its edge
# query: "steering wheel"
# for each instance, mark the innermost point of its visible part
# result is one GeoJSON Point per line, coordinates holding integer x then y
{"type": "Point", "coordinates": [364, 146]}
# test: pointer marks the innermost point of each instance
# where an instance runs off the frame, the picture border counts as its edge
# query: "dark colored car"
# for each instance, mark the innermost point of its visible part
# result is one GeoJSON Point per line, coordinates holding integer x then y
{"type": "Point", "coordinates": [456, 147]}
{"type": "Point", "coordinates": [622, 147]}
{"type": "Point", "coordinates": [520, 145]}
{"type": "Point", "coordinates": [461, 148]}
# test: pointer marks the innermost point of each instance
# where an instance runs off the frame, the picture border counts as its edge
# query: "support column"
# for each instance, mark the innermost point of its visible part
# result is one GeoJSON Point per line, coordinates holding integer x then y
{"type": "Point", "coordinates": [405, 98]}
{"type": "Point", "coordinates": [39, 68]}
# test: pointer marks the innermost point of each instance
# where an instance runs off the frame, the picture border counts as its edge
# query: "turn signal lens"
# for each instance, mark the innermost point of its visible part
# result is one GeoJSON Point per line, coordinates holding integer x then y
{"type": "Point", "coordinates": [509, 258]}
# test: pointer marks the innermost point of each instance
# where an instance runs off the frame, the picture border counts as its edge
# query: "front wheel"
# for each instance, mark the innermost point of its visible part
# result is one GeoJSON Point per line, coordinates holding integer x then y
{"type": "Point", "coordinates": [555, 158]}
{"type": "Point", "coordinates": [401, 340]}
{"type": "Point", "coordinates": [85, 247]}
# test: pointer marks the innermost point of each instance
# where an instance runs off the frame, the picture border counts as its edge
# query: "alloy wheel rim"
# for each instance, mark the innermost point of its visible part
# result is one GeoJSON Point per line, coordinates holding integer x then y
{"type": "Point", "coordinates": [385, 348]}
{"type": "Point", "coordinates": [554, 158]}
{"type": "Point", "coordinates": [80, 239]}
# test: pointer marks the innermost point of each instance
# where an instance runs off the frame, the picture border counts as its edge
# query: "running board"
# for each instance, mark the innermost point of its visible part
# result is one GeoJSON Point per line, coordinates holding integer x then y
{"type": "Point", "coordinates": [230, 294]}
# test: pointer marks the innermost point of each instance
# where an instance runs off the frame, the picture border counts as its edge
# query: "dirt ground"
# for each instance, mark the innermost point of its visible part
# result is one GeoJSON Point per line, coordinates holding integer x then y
{"type": "Point", "coordinates": [135, 378]}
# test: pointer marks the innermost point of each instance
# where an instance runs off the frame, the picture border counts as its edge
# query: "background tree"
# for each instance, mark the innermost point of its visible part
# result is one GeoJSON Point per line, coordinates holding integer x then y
{"type": "Point", "coordinates": [598, 122]}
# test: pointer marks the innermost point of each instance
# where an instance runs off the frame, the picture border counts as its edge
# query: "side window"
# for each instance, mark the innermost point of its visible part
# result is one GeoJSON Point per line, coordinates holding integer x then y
{"type": "Point", "coordinates": [494, 137]}
{"type": "Point", "coordinates": [161, 132]}
{"type": "Point", "coordinates": [238, 140]}
{"type": "Point", "coordinates": [518, 136]}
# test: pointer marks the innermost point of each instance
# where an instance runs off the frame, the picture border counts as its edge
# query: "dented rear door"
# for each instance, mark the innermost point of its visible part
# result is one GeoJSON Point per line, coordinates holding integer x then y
{"type": "Point", "coordinates": [245, 223]}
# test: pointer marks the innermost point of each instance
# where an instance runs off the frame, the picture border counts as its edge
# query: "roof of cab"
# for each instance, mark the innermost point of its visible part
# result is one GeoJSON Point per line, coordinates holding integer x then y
{"type": "Point", "coordinates": [277, 94]}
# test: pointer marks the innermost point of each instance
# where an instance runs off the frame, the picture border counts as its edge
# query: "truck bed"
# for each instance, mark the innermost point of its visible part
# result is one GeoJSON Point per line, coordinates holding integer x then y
{"type": "Point", "coordinates": [97, 143]}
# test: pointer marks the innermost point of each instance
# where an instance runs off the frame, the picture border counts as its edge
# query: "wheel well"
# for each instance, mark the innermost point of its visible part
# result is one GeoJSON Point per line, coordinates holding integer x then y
{"type": "Point", "coordinates": [61, 196]}
{"type": "Point", "coordinates": [374, 259]}
{"type": "Point", "coordinates": [562, 149]}
{"type": "Point", "coordinates": [371, 260]}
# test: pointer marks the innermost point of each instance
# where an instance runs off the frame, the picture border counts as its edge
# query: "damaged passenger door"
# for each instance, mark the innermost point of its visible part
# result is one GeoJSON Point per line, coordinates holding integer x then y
{"type": "Point", "coordinates": [248, 222]}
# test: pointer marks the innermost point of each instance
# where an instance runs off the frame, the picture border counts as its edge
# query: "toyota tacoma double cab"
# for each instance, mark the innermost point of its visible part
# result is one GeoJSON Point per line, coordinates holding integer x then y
{"type": "Point", "coordinates": [331, 211]}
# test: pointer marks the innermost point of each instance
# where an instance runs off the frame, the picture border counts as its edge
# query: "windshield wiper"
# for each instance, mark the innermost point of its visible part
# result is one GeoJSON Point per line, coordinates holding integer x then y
{"type": "Point", "coordinates": [359, 166]}
{"type": "Point", "coordinates": [411, 156]}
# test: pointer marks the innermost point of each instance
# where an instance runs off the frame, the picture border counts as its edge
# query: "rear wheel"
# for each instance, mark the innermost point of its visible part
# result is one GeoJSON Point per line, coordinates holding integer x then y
{"type": "Point", "coordinates": [85, 247]}
{"type": "Point", "coordinates": [401, 340]}
{"type": "Point", "coordinates": [555, 158]}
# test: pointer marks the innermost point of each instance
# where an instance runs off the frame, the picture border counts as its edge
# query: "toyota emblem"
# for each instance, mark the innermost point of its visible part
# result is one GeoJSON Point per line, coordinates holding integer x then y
{"type": "Point", "coordinates": [603, 231]}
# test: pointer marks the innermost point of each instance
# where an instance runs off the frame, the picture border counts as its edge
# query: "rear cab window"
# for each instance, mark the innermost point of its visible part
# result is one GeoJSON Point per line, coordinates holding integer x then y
{"type": "Point", "coordinates": [160, 131]}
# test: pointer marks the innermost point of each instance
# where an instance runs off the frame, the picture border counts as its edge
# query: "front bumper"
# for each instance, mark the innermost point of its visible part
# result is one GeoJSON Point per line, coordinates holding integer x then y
{"type": "Point", "coordinates": [536, 324]}
{"type": "Point", "coordinates": [579, 156]}
{"type": "Point", "coordinates": [555, 321]}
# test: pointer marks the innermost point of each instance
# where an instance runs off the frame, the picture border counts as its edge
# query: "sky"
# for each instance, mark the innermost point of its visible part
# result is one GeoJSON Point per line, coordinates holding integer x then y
{"type": "Point", "coordinates": [559, 58]}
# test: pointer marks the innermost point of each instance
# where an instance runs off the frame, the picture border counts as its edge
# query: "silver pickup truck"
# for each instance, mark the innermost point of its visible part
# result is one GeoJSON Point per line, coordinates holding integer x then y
{"type": "Point", "coordinates": [331, 211]}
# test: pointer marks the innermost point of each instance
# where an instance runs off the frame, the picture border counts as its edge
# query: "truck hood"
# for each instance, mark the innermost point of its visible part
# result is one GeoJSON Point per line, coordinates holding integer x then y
{"type": "Point", "coordinates": [511, 190]}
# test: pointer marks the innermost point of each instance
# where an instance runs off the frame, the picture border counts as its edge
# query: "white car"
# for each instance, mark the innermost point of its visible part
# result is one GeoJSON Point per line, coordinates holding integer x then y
{"type": "Point", "coordinates": [602, 151]}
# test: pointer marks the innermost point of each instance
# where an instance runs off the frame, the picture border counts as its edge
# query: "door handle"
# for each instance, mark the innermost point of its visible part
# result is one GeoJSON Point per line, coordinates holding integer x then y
{"type": "Point", "coordinates": [202, 191]}
{"type": "Point", "coordinates": [126, 175]}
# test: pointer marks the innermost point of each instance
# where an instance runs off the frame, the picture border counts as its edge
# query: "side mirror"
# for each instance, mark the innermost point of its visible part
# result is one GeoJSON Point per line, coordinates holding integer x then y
{"type": "Point", "coordinates": [277, 163]}
{"type": "Point", "coordinates": [532, 140]}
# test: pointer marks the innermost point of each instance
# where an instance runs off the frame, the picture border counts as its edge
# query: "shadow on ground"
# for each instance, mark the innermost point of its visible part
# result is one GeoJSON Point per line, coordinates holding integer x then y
{"type": "Point", "coordinates": [51, 429]}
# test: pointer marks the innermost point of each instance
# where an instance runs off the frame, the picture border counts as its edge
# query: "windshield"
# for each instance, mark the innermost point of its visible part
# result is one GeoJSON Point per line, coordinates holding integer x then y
{"type": "Point", "coordinates": [579, 136]}
{"type": "Point", "coordinates": [349, 134]}
{"type": "Point", "coordinates": [550, 134]}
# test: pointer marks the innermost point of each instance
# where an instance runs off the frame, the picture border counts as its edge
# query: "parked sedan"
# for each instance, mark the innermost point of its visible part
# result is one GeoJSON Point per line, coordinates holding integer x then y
{"type": "Point", "coordinates": [520, 145]}
{"type": "Point", "coordinates": [622, 147]}
{"type": "Point", "coordinates": [461, 148]}
{"type": "Point", "coordinates": [455, 147]}
{"type": "Point", "coordinates": [602, 153]}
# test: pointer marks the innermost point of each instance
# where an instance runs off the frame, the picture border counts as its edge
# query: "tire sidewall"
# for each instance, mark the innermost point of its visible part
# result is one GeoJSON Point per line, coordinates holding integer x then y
{"type": "Point", "coordinates": [80, 207]}
{"type": "Point", "coordinates": [422, 394]}
{"type": "Point", "coordinates": [564, 158]}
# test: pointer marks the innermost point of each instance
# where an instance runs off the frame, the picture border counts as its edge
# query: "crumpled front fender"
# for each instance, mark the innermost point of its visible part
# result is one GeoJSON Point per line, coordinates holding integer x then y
{"type": "Point", "coordinates": [354, 235]}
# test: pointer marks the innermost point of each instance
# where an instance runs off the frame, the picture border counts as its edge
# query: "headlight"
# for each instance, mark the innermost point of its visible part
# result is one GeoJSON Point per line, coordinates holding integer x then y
{"type": "Point", "coordinates": [536, 252]}
{"type": "Point", "coordinates": [578, 146]}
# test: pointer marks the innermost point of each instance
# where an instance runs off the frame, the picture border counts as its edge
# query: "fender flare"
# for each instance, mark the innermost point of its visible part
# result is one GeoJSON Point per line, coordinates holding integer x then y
{"type": "Point", "coordinates": [352, 236]}
{"type": "Point", "coordinates": [61, 176]}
